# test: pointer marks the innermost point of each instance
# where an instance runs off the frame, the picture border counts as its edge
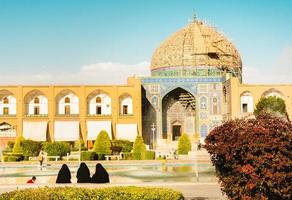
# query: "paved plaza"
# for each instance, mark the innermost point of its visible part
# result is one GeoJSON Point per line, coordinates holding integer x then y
{"type": "Point", "coordinates": [204, 189]}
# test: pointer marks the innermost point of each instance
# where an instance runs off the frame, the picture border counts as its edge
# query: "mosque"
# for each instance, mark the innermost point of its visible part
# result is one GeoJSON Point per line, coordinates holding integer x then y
{"type": "Point", "coordinates": [195, 85]}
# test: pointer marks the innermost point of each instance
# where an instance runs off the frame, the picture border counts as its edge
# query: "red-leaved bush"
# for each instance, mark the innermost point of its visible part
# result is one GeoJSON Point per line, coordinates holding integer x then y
{"type": "Point", "coordinates": [252, 157]}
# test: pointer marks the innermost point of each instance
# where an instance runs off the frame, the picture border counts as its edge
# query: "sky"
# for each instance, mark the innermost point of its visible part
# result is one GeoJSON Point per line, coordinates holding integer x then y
{"type": "Point", "coordinates": [106, 41]}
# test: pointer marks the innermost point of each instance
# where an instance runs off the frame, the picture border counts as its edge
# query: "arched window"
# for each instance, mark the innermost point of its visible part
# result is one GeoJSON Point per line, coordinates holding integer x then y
{"type": "Point", "coordinates": [36, 110]}
{"type": "Point", "coordinates": [273, 92]}
{"type": "Point", "coordinates": [204, 130]}
{"type": "Point", "coordinates": [126, 105]}
{"type": "Point", "coordinates": [98, 100]}
{"type": "Point", "coordinates": [215, 105]}
{"type": "Point", "coordinates": [246, 103]}
{"type": "Point", "coordinates": [203, 103]}
{"type": "Point", "coordinates": [5, 111]}
{"type": "Point", "coordinates": [98, 110]}
{"type": "Point", "coordinates": [67, 109]}
{"type": "Point", "coordinates": [36, 103]}
{"type": "Point", "coordinates": [5, 100]}
{"type": "Point", "coordinates": [36, 100]}
{"type": "Point", "coordinates": [67, 100]}
{"type": "Point", "coordinates": [99, 103]}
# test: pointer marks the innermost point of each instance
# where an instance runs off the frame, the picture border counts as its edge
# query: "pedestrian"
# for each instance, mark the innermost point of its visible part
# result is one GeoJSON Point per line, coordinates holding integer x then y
{"type": "Point", "coordinates": [83, 174]}
{"type": "Point", "coordinates": [101, 175]}
{"type": "Point", "coordinates": [32, 180]}
{"type": "Point", "coordinates": [199, 146]}
{"type": "Point", "coordinates": [64, 175]}
{"type": "Point", "coordinates": [41, 158]}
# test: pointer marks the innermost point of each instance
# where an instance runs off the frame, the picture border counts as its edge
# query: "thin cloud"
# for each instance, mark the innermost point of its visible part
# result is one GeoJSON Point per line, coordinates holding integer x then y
{"type": "Point", "coordinates": [279, 73]}
{"type": "Point", "coordinates": [97, 73]}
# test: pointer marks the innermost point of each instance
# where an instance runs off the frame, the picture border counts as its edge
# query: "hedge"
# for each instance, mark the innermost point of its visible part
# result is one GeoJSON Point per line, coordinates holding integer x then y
{"type": "Point", "coordinates": [88, 155]}
{"type": "Point", "coordinates": [253, 157]}
{"type": "Point", "coordinates": [150, 155]}
{"type": "Point", "coordinates": [73, 193]}
{"type": "Point", "coordinates": [127, 156]}
{"type": "Point", "coordinates": [12, 157]}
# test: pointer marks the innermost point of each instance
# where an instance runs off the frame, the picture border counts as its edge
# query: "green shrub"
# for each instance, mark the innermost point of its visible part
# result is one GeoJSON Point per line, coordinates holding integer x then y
{"type": "Point", "coordinates": [127, 156]}
{"type": "Point", "coordinates": [117, 193]}
{"type": "Point", "coordinates": [17, 147]}
{"type": "Point", "coordinates": [56, 148]}
{"type": "Point", "coordinates": [88, 155]}
{"type": "Point", "coordinates": [184, 144]}
{"type": "Point", "coordinates": [253, 157]}
{"type": "Point", "coordinates": [139, 148]}
{"type": "Point", "coordinates": [102, 144]}
{"type": "Point", "coordinates": [9, 146]}
{"type": "Point", "coordinates": [272, 104]}
{"type": "Point", "coordinates": [31, 148]}
{"type": "Point", "coordinates": [12, 157]}
{"type": "Point", "coordinates": [126, 145]}
{"type": "Point", "coordinates": [150, 155]}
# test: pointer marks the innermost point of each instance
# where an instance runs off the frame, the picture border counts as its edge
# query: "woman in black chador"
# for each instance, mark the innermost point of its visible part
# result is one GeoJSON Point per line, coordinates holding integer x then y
{"type": "Point", "coordinates": [101, 175]}
{"type": "Point", "coordinates": [83, 174]}
{"type": "Point", "coordinates": [64, 175]}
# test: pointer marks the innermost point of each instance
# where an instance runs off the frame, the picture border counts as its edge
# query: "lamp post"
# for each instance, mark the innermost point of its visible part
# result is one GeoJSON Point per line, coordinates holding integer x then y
{"type": "Point", "coordinates": [79, 151]}
{"type": "Point", "coordinates": [153, 133]}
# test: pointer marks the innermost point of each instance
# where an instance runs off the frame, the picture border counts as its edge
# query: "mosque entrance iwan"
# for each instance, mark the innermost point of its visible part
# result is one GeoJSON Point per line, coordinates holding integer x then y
{"type": "Point", "coordinates": [178, 114]}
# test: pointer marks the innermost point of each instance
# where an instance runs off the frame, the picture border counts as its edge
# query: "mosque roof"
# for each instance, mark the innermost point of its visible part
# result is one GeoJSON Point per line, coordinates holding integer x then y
{"type": "Point", "coordinates": [196, 45]}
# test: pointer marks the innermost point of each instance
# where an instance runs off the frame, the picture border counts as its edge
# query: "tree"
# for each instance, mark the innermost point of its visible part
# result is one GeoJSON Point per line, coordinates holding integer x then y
{"type": "Point", "coordinates": [17, 147]}
{"type": "Point", "coordinates": [273, 105]}
{"type": "Point", "coordinates": [102, 144]}
{"type": "Point", "coordinates": [57, 148]}
{"type": "Point", "coordinates": [184, 144]}
{"type": "Point", "coordinates": [252, 157]}
{"type": "Point", "coordinates": [31, 148]}
{"type": "Point", "coordinates": [139, 148]}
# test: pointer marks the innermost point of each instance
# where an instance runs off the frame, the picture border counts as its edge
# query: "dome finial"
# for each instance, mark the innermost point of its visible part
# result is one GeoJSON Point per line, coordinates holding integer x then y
{"type": "Point", "coordinates": [194, 17]}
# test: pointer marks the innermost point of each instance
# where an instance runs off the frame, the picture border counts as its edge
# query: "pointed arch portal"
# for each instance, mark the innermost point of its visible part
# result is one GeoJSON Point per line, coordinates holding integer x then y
{"type": "Point", "coordinates": [178, 114]}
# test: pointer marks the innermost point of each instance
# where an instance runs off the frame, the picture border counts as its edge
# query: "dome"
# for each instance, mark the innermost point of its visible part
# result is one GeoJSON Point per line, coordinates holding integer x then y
{"type": "Point", "coordinates": [196, 46]}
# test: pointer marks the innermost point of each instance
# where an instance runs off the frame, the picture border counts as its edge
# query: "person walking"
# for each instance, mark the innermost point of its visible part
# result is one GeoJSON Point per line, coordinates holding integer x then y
{"type": "Point", "coordinates": [83, 174]}
{"type": "Point", "coordinates": [101, 175]}
{"type": "Point", "coordinates": [64, 175]}
{"type": "Point", "coordinates": [41, 158]}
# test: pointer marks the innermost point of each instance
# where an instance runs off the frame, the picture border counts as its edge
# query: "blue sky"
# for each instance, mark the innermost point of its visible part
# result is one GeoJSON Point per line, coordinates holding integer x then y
{"type": "Point", "coordinates": [75, 41]}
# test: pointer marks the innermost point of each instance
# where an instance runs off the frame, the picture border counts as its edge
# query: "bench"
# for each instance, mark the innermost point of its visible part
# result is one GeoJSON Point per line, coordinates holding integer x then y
{"type": "Point", "coordinates": [109, 157]}
{"type": "Point", "coordinates": [53, 157]}
{"type": "Point", "coordinates": [73, 156]}
{"type": "Point", "coordinates": [33, 158]}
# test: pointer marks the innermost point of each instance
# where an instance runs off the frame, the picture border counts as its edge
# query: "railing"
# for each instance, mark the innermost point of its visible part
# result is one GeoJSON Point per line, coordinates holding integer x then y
{"type": "Point", "coordinates": [33, 115]}
{"type": "Point", "coordinates": [67, 115]}
{"type": "Point", "coordinates": [99, 115]}
{"type": "Point", "coordinates": [9, 115]}
{"type": "Point", "coordinates": [126, 115]}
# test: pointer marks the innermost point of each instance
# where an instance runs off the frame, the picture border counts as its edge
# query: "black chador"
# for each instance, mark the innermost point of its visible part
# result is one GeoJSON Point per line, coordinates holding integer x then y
{"type": "Point", "coordinates": [101, 175]}
{"type": "Point", "coordinates": [64, 175]}
{"type": "Point", "coordinates": [83, 174]}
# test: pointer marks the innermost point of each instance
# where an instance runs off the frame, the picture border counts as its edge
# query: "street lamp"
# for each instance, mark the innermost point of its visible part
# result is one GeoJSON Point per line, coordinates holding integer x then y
{"type": "Point", "coordinates": [153, 132]}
